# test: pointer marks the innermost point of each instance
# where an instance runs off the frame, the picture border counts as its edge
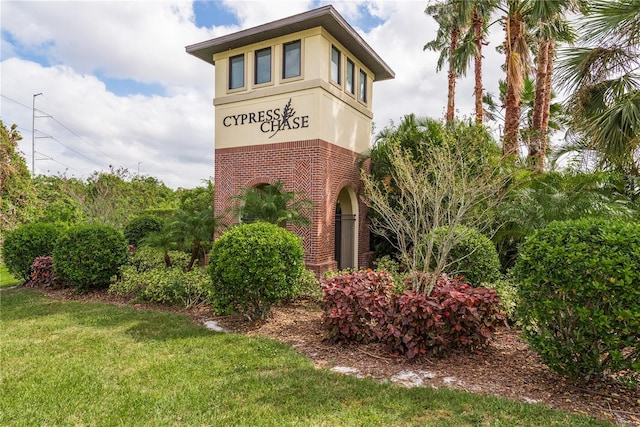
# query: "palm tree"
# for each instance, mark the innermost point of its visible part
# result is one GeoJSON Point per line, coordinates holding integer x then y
{"type": "Point", "coordinates": [475, 13]}
{"type": "Point", "coordinates": [450, 18]}
{"type": "Point", "coordinates": [272, 203]}
{"type": "Point", "coordinates": [602, 76]}
{"type": "Point", "coordinates": [162, 240]}
{"type": "Point", "coordinates": [494, 110]}
{"type": "Point", "coordinates": [517, 66]}
{"type": "Point", "coordinates": [550, 25]}
{"type": "Point", "coordinates": [195, 230]}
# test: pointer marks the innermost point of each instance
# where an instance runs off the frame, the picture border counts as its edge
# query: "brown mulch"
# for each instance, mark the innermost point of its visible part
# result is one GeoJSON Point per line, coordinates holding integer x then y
{"type": "Point", "coordinates": [506, 368]}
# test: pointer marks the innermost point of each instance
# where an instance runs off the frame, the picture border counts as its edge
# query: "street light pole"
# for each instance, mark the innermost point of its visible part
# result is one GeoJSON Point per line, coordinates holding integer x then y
{"type": "Point", "coordinates": [33, 135]}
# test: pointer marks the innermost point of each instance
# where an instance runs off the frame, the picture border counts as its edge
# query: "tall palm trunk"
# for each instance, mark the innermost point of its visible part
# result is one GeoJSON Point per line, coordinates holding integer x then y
{"type": "Point", "coordinates": [546, 111]}
{"type": "Point", "coordinates": [515, 71]}
{"type": "Point", "coordinates": [477, 66]}
{"type": "Point", "coordinates": [452, 76]}
{"type": "Point", "coordinates": [536, 144]}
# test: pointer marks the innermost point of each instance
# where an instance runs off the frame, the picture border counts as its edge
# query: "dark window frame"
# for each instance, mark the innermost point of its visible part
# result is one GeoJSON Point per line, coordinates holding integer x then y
{"type": "Point", "coordinates": [351, 90]}
{"type": "Point", "coordinates": [338, 74]}
{"type": "Point", "coordinates": [256, 64]}
{"type": "Point", "coordinates": [284, 59]}
{"type": "Point", "coordinates": [232, 84]}
{"type": "Point", "coordinates": [362, 86]}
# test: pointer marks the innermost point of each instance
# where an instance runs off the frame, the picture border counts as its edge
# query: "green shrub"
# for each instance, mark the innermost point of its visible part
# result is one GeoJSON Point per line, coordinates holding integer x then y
{"type": "Point", "coordinates": [579, 299]}
{"type": "Point", "coordinates": [146, 258]}
{"type": "Point", "coordinates": [88, 256]}
{"type": "Point", "coordinates": [474, 256]}
{"type": "Point", "coordinates": [393, 267]}
{"type": "Point", "coordinates": [140, 227]}
{"type": "Point", "coordinates": [180, 259]}
{"type": "Point", "coordinates": [26, 243]}
{"type": "Point", "coordinates": [171, 286]}
{"type": "Point", "coordinates": [507, 290]}
{"type": "Point", "coordinates": [174, 286]}
{"type": "Point", "coordinates": [254, 266]}
{"type": "Point", "coordinates": [132, 282]}
{"type": "Point", "coordinates": [309, 285]}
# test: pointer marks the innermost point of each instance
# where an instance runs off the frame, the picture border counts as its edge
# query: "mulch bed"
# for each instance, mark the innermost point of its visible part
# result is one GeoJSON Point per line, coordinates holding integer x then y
{"type": "Point", "coordinates": [506, 368]}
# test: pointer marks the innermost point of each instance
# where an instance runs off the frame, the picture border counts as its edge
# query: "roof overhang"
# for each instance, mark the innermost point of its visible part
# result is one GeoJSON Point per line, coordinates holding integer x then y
{"type": "Point", "coordinates": [326, 17]}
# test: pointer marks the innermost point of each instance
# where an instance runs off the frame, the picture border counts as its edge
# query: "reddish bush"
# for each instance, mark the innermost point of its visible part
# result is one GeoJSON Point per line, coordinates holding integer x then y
{"type": "Point", "coordinates": [412, 325]}
{"type": "Point", "coordinates": [355, 304]}
{"type": "Point", "coordinates": [469, 315]}
{"type": "Point", "coordinates": [42, 273]}
{"type": "Point", "coordinates": [360, 307]}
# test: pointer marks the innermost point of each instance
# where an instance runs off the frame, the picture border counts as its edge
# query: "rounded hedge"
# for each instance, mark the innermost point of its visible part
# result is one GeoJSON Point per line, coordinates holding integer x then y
{"type": "Point", "coordinates": [579, 299]}
{"type": "Point", "coordinates": [88, 256]}
{"type": "Point", "coordinates": [254, 266]}
{"type": "Point", "coordinates": [474, 256]}
{"type": "Point", "coordinates": [26, 243]}
{"type": "Point", "coordinates": [140, 227]}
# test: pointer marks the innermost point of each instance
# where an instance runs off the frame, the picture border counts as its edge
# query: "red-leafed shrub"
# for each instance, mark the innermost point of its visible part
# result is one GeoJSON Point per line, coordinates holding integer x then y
{"type": "Point", "coordinates": [355, 304]}
{"type": "Point", "coordinates": [42, 274]}
{"type": "Point", "coordinates": [469, 315]}
{"type": "Point", "coordinates": [412, 325]}
{"type": "Point", "coordinates": [360, 307]}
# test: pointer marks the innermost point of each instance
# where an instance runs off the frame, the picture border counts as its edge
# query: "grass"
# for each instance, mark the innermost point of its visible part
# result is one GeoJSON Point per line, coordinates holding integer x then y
{"type": "Point", "coordinates": [73, 363]}
{"type": "Point", "coordinates": [6, 279]}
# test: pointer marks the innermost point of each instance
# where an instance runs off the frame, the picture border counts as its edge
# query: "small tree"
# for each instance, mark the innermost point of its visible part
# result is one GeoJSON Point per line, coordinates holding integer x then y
{"type": "Point", "coordinates": [195, 231]}
{"type": "Point", "coordinates": [272, 204]}
{"type": "Point", "coordinates": [429, 186]}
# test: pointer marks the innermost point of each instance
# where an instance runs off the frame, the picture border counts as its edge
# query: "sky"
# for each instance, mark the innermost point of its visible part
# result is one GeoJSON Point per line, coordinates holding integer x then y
{"type": "Point", "coordinates": [115, 87]}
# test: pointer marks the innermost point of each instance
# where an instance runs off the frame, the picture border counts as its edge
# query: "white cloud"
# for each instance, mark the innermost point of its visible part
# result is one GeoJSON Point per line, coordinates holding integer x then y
{"type": "Point", "coordinates": [172, 134]}
{"type": "Point", "coordinates": [254, 13]}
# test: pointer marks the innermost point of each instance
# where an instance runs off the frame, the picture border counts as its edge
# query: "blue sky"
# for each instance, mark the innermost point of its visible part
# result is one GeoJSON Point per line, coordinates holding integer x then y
{"type": "Point", "coordinates": [122, 91]}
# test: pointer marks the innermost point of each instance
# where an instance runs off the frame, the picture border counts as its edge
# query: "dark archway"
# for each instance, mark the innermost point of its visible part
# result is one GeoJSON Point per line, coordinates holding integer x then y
{"type": "Point", "coordinates": [346, 229]}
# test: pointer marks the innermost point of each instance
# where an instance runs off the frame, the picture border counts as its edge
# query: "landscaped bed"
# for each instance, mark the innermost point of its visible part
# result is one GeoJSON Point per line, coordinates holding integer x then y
{"type": "Point", "coordinates": [507, 368]}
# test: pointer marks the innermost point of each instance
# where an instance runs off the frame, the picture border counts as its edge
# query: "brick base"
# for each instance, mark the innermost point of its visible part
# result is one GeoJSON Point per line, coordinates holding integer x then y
{"type": "Point", "coordinates": [317, 169]}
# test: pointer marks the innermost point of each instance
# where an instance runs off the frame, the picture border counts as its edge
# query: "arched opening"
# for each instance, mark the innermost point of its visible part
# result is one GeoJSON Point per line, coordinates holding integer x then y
{"type": "Point", "coordinates": [346, 229]}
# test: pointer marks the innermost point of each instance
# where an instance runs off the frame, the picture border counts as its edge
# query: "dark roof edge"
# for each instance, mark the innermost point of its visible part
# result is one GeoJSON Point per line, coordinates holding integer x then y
{"type": "Point", "coordinates": [315, 17]}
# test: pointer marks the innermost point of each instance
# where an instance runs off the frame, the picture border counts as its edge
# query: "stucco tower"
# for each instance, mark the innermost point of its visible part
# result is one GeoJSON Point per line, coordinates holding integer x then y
{"type": "Point", "coordinates": [293, 102]}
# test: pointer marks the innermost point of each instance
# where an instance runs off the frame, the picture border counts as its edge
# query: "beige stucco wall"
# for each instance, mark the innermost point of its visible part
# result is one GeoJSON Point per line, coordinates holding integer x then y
{"type": "Point", "coordinates": [322, 108]}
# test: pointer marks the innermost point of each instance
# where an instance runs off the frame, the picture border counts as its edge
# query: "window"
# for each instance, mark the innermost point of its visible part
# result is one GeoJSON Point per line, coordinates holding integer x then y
{"type": "Point", "coordinates": [335, 65]}
{"type": "Point", "coordinates": [263, 66]}
{"type": "Point", "coordinates": [291, 59]}
{"type": "Point", "coordinates": [236, 72]}
{"type": "Point", "coordinates": [350, 75]}
{"type": "Point", "coordinates": [362, 93]}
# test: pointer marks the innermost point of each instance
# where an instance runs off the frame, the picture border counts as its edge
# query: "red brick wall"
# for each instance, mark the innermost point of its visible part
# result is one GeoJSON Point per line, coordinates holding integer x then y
{"type": "Point", "coordinates": [316, 168]}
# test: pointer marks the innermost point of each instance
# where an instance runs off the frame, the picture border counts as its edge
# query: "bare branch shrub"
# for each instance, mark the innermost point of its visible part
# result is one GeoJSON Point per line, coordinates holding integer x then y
{"type": "Point", "coordinates": [444, 188]}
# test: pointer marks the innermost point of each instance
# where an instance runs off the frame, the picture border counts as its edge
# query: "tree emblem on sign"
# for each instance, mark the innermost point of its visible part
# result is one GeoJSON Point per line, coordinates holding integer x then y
{"type": "Point", "coordinates": [287, 113]}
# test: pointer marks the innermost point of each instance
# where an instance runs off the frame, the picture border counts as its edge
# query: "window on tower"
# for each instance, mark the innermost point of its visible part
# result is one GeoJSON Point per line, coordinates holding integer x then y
{"type": "Point", "coordinates": [263, 66]}
{"type": "Point", "coordinates": [350, 86]}
{"type": "Point", "coordinates": [335, 65]}
{"type": "Point", "coordinates": [291, 59]}
{"type": "Point", "coordinates": [236, 72]}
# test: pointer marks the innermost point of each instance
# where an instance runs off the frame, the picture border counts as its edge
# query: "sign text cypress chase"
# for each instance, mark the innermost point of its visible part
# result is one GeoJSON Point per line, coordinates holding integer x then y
{"type": "Point", "coordinates": [271, 121]}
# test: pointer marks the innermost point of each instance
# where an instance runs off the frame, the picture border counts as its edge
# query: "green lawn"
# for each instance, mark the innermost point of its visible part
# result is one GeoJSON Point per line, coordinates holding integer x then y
{"type": "Point", "coordinates": [73, 363]}
{"type": "Point", "coordinates": [6, 279]}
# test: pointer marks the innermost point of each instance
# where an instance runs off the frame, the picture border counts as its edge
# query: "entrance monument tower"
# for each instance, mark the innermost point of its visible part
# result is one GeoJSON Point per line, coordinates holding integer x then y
{"type": "Point", "coordinates": [293, 102]}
